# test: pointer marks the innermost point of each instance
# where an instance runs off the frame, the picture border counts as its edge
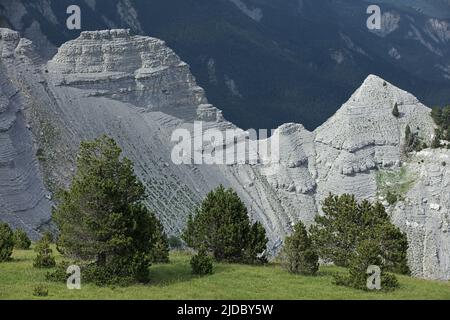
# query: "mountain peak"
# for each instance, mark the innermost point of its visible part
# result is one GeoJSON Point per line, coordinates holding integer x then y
{"type": "Point", "coordinates": [366, 118]}
{"type": "Point", "coordinates": [377, 92]}
{"type": "Point", "coordinates": [374, 79]}
{"type": "Point", "coordinates": [139, 92]}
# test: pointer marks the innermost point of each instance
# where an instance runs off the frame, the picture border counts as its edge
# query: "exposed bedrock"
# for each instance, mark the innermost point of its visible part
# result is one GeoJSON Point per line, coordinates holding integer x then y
{"type": "Point", "coordinates": [23, 197]}
{"type": "Point", "coordinates": [138, 91]}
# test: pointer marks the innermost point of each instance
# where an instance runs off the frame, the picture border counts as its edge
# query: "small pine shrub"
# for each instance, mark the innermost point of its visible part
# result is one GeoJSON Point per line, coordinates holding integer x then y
{"type": "Point", "coordinates": [134, 270]}
{"type": "Point", "coordinates": [48, 236]}
{"type": "Point", "coordinates": [255, 253]}
{"type": "Point", "coordinates": [441, 117]}
{"type": "Point", "coordinates": [367, 254]}
{"type": "Point", "coordinates": [6, 242]}
{"type": "Point", "coordinates": [40, 291]}
{"type": "Point", "coordinates": [298, 255]}
{"type": "Point", "coordinates": [389, 282]}
{"type": "Point", "coordinates": [59, 274]}
{"type": "Point", "coordinates": [436, 144]}
{"type": "Point", "coordinates": [160, 246]}
{"type": "Point", "coordinates": [391, 198]}
{"type": "Point", "coordinates": [201, 263]}
{"type": "Point", "coordinates": [139, 266]}
{"type": "Point", "coordinates": [395, 111]}
{"type": "Point", "coordinates": [160, 252]}
{"type": "Point", "coordinates": [40, 154]}
{"type": "Point", "coordinates": [436, 114]}
{"type": "Point", "coordinates": [102, 276]}
{"type": "Point", "coordinates": [21, 240]}
{"type": "Point", "coordinates": [412, 141]}
{"type": "Point", "coordinates": [44, 257]}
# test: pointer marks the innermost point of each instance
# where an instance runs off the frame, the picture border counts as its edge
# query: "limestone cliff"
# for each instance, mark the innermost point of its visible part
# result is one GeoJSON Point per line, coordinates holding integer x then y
{"type": "Point", "coordinates": [138, 91]}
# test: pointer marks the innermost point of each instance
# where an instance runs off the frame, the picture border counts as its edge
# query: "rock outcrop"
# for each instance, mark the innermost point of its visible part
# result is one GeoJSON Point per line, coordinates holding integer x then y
{"type": "Point", "coordinates": [425, 216]}
{"type": "Point", "coordinates": [138, 91]}
{"type": "Point", "coordinates": [23, 197]}
{"type": "Point", "coordinates": [360, 151]}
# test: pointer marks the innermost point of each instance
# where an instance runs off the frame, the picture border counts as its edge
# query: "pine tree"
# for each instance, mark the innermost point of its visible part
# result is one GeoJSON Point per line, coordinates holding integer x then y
{"type": "Point", "coordinates": [367, 254]}
{"type": "Point", "coordinates": [436, 143]}
{"type": "Point", "coordinates": [336, 233]}
{"type": "Point", "coordinates": [346, 223]}
{"type": "Point", "coordinates": [442, 119]}
{"type": "Point", "coordinates": [221, 226]}
{"type": "Point", "coordinates": [393, 245]}
{"type": "Point", "coordinates": [298, 255]}
{"type": "Point", "coordinates": [201, 263]}
{"type": "Point", "coordinates": [445, 123]}
{"type": "Point", "coordinates": [21, 240]}
{"type": "Point", "coordinates": [256, 245]}
{"type": "Point", "coordinates": [391, 198]}
{"type": "Point", "coordinates": [407, 132]}
{"type": "Point", "coordinates": [436, 114]}
{"type": "Point", "coordinates": [101, 217]}
{"type": "Point", "coordinates": [412, 141]}
{"type": "Point", "coordinates": [395, 111]}
{"type": "Point", "coordinates": [6, 242]}
{"type": "Point", "coordinates": [49, 236]}
{"type": "Point", "coordinates": [44, 257]}
{"type": "Point", "coordinates": [160, 245]}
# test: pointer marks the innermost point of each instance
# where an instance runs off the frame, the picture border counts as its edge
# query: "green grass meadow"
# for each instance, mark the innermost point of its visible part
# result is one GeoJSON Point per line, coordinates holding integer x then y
{"type": "Point", "coordinates": [174, 281]}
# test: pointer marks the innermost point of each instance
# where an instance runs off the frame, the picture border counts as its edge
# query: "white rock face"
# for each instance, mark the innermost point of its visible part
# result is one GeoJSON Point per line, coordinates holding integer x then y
{"type": "Point", "coordinates": [361, 139]}
{"type": "Point", "coordinates": [138, 91]}
{"type": "Point", "coordinates": [363, 136]}
{"type": "Point", "coordinates": [425, 215]}
{"type": "Point", "coordinates": [22, 193]}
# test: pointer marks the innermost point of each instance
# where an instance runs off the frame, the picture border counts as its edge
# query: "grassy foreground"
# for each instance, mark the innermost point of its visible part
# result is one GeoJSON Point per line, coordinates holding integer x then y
{"type": "Point", "coordinates": [174, 281]}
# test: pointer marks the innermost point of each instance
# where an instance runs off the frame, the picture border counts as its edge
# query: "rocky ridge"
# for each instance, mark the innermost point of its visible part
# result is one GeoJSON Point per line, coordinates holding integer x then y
{"type": "Point", "coordinates": [138, 91]}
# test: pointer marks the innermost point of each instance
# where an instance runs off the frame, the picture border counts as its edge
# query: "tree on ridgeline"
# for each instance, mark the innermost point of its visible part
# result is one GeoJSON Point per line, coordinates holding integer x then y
{"type": "Point", "coordinates": [412, 141]}
{"type": "Point", "coordinates": [395, 111]}
{"type": "Point", "coordinates": [441, 117]}
{"type": "Point", "coordinates": [436, 143]}
{"type": "Point", "coordinates": [436, 114]}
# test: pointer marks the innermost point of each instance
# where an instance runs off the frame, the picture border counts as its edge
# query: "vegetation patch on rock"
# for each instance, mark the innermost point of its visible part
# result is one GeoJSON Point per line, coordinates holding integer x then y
{"type": "Point", "coordinates": [394, 184]}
